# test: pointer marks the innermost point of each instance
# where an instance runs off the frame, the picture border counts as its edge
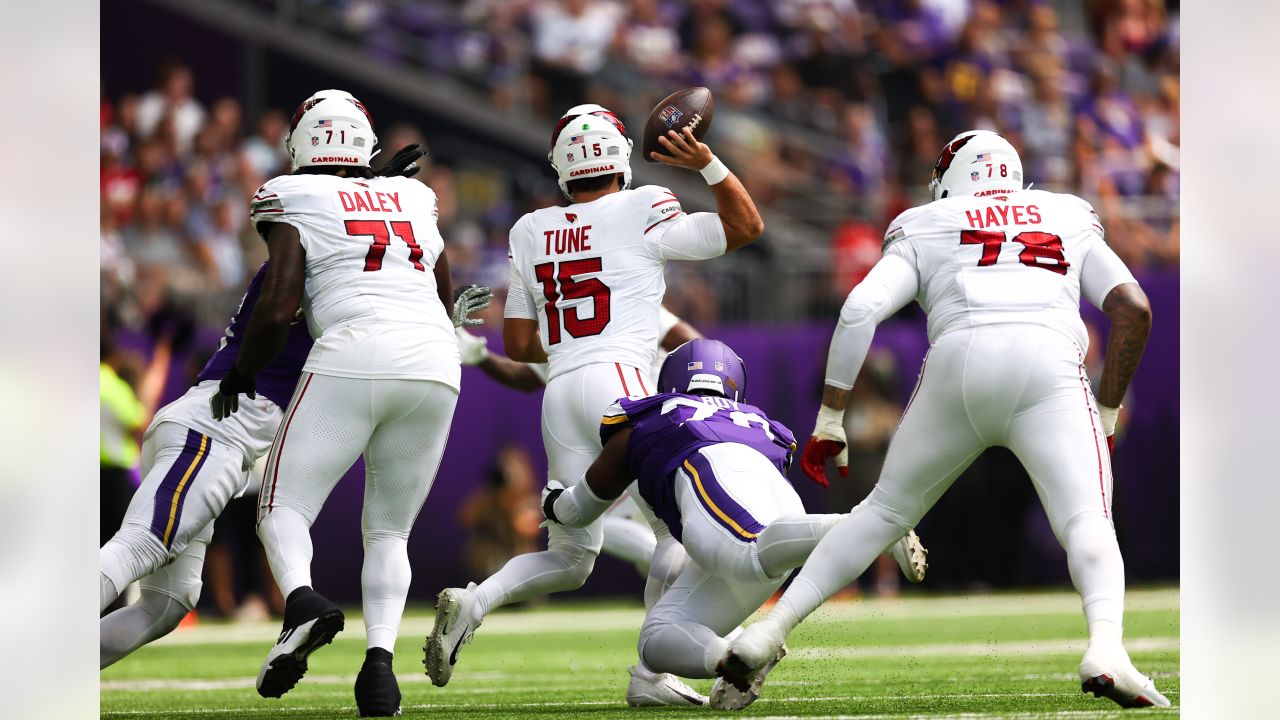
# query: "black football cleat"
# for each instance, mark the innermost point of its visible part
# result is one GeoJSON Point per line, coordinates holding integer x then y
{"type": "Point", "coordinates": [377, 692]}
{"type": "Point", "coordinates": [310, 621]}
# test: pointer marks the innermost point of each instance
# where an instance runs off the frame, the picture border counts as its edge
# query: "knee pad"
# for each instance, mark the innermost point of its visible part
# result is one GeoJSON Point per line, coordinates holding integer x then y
{"type": "Point", "coordinates": [166, 609]}
{"type": "Point", "coordinates": [131, 554]}
{"type": "Point", "coordinates": [1088, 537]}
{"type": "Point", "coordinates": [875, 503]}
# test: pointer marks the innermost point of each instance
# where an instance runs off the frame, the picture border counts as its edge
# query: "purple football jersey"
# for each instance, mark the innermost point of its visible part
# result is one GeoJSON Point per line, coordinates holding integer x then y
{"type": "Point", "coordinates": [667, 428]}
{"type": "Point", "coordinates": [278, 380]}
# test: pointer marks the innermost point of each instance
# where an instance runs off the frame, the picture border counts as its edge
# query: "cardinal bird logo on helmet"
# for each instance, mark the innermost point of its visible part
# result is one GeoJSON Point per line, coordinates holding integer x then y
{"type": "Point", "coordinates": [302, 110]}
{"type": "Point", "coordinates": [949, 154]}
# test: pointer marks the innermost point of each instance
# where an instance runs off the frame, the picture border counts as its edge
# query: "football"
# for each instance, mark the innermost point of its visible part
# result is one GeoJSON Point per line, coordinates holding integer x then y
{"type": "Point", "coordinates": [690, 107]}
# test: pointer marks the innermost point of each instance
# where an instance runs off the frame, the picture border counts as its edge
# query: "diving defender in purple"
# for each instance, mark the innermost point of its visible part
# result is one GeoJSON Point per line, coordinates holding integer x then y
{"type": "Point", "coordinates": [191, 466]}
{"type": "Point", "coordinates": [712, 468]}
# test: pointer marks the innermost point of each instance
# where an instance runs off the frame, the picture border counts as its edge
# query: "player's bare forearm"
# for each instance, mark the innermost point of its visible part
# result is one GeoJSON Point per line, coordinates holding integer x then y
{"type": "Point", "coordinates": [444, 281]}
{"type": "Point", "coordinates": [738, 213]}
{"type": "Point", "coordinates": [278, 303]}
{"type": "Point", "coordinates": [608, 477]}
{"type": "Point", "coordinates": [522, 341]}
{"type": "Point", "coordinates": [1129, 311]}
{"type": "Point", "coordinates": [508, 372]}
{"type": "Point", "coordinates": [834, 397]}
{"type": "Point", "coordinates": [679, 334]}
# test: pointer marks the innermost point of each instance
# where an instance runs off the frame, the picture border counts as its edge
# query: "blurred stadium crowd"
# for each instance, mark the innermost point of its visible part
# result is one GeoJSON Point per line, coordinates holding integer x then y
{"type": "Point", "coordinates": [830, 110]}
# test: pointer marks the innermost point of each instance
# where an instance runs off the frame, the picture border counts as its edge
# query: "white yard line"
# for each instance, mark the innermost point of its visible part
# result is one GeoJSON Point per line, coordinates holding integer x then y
{"type": "Point", "coordinates": [1037, 647]}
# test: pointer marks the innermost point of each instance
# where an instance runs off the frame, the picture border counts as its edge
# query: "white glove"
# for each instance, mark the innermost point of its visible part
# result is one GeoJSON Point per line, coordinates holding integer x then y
{"type": "Point", "coordinates": [471, 348]}
{"type": "Point", "coordinates": [473, 298]}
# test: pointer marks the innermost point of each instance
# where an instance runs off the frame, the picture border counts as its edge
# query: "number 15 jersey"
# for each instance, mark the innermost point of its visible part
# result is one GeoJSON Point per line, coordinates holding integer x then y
{"type": "Point", "coordinates": [370, 296]}
{"type": "Point", "coordinates": [591, 273]}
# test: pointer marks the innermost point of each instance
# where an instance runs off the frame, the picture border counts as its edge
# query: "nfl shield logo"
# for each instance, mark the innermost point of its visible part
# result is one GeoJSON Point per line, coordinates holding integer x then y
{"type": "Point", "coordinates": [719, 366]}
{"type": "Point", "coordinates": [670, 115]}
{"type": "Point", "coordinates": [314, 141]}
{"type": "Point", "coordinates": [974, 176]}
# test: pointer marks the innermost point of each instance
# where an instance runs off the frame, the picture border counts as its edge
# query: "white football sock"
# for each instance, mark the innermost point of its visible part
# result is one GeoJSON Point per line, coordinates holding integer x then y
{"type": "Point", "coordinates": [286, 536]}
{"type": "Point", "coordinates": [1097, 571]}
{"type": "Point", "coordinates": [129, 628]}
{"type": "Point", "coordinates": [564, 565]}
{"type": "Point", "coordinates": [787, 541]}
{"type": "Point", "coordinates": [848, 549]}
{"type": "Point", "coordinates": [629, 541]}
{"type": "Point", "coordinates": [384, 584]}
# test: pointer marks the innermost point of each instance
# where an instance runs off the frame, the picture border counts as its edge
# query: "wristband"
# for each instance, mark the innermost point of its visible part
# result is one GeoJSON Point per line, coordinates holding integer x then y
{"type": "Point", "coordinates": [715, 172]}
{"type": "Point", "coordinates": [1108, 417]}
{"type": "Point", "coordinates": [830, 424]}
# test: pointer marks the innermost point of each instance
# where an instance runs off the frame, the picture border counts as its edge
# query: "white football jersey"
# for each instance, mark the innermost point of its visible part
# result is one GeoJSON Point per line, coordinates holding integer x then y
{"type": "Point", "coordinates": [592, 273]}
{"type": "Point", "coordinates": [1020, 257]}
{"type": "Point", "coordinates": [370, 298]}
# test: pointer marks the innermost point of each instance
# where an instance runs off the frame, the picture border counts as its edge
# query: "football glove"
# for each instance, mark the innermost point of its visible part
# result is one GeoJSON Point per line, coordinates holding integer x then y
{"type": "Point", "coordinates": [472, 349]}
{"type": "Point", "coordinates": [404, 163]}
{"type": "Point", "coordinates": [827, 441]}
{"type": "Point", "coordinates": [553, 490]}
{"type": "Point", "coordinates": [227, 399]}
{"type": "Point", "coordinates": [473, 298]}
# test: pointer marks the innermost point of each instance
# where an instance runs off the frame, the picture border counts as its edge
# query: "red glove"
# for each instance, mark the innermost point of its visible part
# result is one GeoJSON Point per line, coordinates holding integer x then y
{"type": "Point", "coordinates": [814, 459]}
{"type": "Point", "coordinates": [1111, 444]}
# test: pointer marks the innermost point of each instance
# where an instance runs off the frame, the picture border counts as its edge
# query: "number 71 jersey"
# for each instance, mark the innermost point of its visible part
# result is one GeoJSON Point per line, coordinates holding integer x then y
{"type": "Point", "coordinates": [370, 295]}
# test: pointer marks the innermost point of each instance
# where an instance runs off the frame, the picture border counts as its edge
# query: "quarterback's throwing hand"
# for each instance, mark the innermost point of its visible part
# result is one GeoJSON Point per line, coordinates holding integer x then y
{"type": "Point", "coordinates": [683, 151]}
{"type": "Point", "coordinates": [227, 399]}
{"type": "Point", "coordinates": [473, 298]}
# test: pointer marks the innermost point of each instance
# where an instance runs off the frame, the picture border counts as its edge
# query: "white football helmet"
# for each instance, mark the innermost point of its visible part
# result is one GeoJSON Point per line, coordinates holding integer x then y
{"type": "Point", "coordinates": [589, 140]}
{"type": "Point", "coordinates": [976, 162]}
{"type": "Point", "coordinates": [331, 127]}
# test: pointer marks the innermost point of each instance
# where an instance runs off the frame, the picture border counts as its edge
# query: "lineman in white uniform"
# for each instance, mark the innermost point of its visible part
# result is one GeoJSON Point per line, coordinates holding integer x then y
{"type": "Point", "coordinates": [363, 257]}
{"type": "Point", "coordinates": [1000, 271]}
{"type": "Point", "coordinates": [586, 285]}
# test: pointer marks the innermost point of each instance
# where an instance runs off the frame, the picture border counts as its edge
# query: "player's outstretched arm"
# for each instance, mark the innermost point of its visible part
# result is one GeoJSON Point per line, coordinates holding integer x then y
{"type": "Point", "coordinates": [1129, 311]}
{"type": "Point", "coordinates": [268, 328]}
{"type": "Point", "coordinates": [738, 214]}
{"type": "Point", "coordinates": [474, 351]}
{"type": "Point", "coordinates": [605, 481]}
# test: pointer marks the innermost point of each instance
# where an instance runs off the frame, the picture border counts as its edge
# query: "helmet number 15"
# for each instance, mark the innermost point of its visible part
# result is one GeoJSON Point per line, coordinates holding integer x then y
{"type": "Point", "coordinates": [561, 285]}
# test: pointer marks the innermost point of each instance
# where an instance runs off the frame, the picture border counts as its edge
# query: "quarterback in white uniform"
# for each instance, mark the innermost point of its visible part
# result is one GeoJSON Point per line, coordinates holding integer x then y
{"type": "Point", "coordinates": [627, 533]}
{"type": "Point", "coordinates": [584, 295]}
{"type": "Point", "coordinates": [1000, 271]}
{"type": "Point", "coordinates": [362, 256]}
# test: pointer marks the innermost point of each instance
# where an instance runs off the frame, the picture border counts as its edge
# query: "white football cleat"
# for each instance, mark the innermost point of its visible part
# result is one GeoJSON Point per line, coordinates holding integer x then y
{"type": "Point", "coordinates": [1110, 674]}
{"type": "Point", "coordinates": [744, 666]}
{"type": "Point", "coordinates": [911, 556]}
{"type": "Point", "coordinates": [456, 623]}
{"type": "Point", "coordinates": [651, 689]}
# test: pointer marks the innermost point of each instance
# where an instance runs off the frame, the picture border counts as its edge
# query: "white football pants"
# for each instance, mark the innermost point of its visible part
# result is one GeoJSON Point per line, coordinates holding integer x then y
{"type": "Point", "coordinates": [744, 527]}
{"type": "Point", "coordinates": [1019, 386]}
{"type": "Point", "coordinates": [400, 426]}
{"type": "Point", "coordinates": [572, 406]}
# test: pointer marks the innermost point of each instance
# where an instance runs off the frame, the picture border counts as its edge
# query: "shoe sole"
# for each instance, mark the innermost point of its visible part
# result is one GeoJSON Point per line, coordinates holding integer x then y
{"type": "Point", "coordinates": [747, 682]}
{"type": "Point", "coordinates": [914, 548]}
{"type": "Point", "coordinates": [436, 658]}
{"type": "Point", "coordinates": [285, 671]}
{"type": "Point", "coordinates": [1105, 686]}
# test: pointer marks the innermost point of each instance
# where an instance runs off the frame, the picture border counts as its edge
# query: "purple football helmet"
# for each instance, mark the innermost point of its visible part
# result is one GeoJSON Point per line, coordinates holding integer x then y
{"type": "Point", "coordinates": [704, 366]}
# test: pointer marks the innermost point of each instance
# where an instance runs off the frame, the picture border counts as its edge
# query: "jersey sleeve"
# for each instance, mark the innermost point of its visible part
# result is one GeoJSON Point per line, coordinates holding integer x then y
{"type": "Point", "coordinates": [675, 235]}
{"type": "Point", "coordinates": [275, 201]}
{"type": "Point", "coordinates": [666, 321]}
{"type": "Point", "coordinates": [520, 302]}
{"type": "Point", "coordinates": [784, 438]}
{"type": "Point", "coordinates": [615, 418]}
{"type": "Point", "coordinates": [1101, 272]}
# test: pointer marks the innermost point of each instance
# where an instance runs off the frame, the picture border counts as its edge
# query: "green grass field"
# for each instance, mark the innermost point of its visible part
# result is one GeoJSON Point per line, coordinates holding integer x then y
{"type": "Point", "coordinates": [1005, 655]}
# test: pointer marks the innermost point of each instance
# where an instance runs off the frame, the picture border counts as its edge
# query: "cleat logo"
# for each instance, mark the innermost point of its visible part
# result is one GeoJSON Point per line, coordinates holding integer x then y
{"type": "Point", "coordinates": [453, 656]}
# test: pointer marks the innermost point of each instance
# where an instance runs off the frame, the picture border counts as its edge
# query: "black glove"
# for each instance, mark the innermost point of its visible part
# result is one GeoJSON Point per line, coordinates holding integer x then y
{"type": "Point", "coordinates": [404, 162]}
{"type": "Point", "coordinates": [549, 503]}
{"type": "Point", "coordinates": [227, 399]}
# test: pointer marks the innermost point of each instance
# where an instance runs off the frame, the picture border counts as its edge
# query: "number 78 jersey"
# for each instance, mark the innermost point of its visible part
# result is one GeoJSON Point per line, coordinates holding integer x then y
{"type": "Point", "coordinates": [370, 295]}
{"type": "Point", "coordinates": [592, 273]}
{"type": "Point", "coordinates": [1024, 256]}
